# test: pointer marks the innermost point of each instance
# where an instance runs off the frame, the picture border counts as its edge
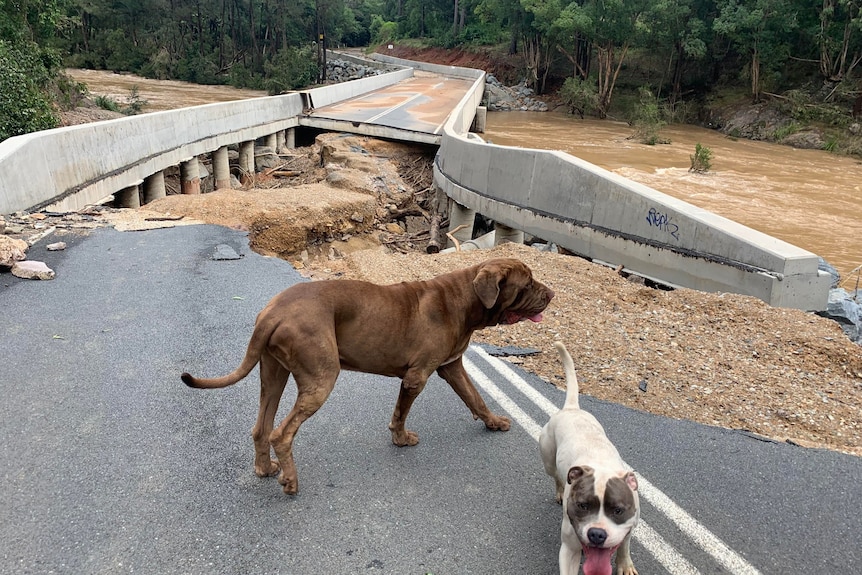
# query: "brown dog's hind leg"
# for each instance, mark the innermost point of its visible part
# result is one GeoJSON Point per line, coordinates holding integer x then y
{"type": "Point", "coordinates": [411, 386]}
{"type": "Point", "coordinates": [457, 377]}
{"type": "Point", "coordinates": [312, 391]}
{"type": "Point", "coordinates": [273, 377]}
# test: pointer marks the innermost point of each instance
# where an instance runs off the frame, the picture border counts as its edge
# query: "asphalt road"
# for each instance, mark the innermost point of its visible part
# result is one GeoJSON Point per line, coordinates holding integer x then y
{"type": "Point", "coordinates": [110, 464]}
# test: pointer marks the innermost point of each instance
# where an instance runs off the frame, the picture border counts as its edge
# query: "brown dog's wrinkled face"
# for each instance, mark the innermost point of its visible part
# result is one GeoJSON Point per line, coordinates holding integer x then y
{"type": "Point", "coordinates": [603, 509]}
{"type": "Point", "coordinates": [507, 288]}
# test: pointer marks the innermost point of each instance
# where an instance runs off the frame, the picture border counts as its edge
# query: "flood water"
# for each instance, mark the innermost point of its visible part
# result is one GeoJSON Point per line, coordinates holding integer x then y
{"type": "Point", "coordinates": [158, 94]}
{"type": "Point", "coordinates": [808, 198]}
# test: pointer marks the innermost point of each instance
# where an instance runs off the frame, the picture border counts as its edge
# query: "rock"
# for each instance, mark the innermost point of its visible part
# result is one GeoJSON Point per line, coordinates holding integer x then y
{"type": "Point", "coordinates": [825, 266]}
{"type": "Point", "coordinates": [806, 140]}
{"type": "Point", "coordinates": [225, 252]}
{"type": "Point", "coordinates": [31, 270]}
{"type": "Point", "coordinates": [56, 247]}
{"type": "Point", "coordinates": [265, 158]}
{"type": "Point", "coordinates": [12, 250]}
{"type": "Point", "coordinates": [2, 224]}
{"type": "Point", "coordinates": [845, 308]}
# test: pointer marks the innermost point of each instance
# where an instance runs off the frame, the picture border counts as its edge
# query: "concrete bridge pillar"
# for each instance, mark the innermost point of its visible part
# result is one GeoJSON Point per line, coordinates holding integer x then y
{"type": "Point", "coordinates": [246, 157]}
{"type": "Point", "coordinates": [271, 141]}
{"type": "Point", "coordinates": [460, 217]}
{"type": "Point", "coordinates": [290, 138]}
{"type": "Point", "coordinates": [154, 187]}
{"type": "Point", "coordinates": [221, 167]}
{"type": "Point", "coordinates": [190, 176]}
{"type": "Point", "coordinates": [279, 141]}
{"type": "Point", "coordinates": [128, 198]}
{"type": "Point", "coordinates": [506, 234]}
{"type": "Point", "coordinates": [479, 119]}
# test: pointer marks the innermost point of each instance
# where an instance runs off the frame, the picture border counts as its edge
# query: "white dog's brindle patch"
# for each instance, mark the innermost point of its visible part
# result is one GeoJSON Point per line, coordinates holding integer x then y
{"type": "Point", "coordinates": [585, 505]}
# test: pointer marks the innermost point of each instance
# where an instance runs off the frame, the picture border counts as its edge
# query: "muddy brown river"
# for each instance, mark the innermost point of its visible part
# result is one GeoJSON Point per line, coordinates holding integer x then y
{"type": "Point", "coordinates": [809, 198]}
{"type": "Point", "coordinates": [805, 197]}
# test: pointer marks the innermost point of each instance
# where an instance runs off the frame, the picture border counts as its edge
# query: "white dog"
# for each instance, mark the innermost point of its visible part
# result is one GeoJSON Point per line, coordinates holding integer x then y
{"type": "Point", "coordinates": [597, 490]}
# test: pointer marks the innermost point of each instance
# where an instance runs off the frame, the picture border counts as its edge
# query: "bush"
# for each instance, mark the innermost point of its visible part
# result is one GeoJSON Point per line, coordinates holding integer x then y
{"type": "Point", "coordinates": [647, 119]}
{"type": "Point", "coordinates": [701, 159]}
{"type": "Point", "coordinates": [579, 95]}
{"type": "Point", "coordinates": [24, 103]}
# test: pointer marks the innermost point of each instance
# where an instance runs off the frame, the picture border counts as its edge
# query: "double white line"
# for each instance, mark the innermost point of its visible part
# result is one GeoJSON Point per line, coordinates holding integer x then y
{"type": "Point", "coordinates": [646, 536]}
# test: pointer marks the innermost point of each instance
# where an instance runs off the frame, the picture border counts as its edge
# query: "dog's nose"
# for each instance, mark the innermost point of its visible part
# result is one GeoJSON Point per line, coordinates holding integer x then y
{"type": "Point", "coordinates": [597, 536]}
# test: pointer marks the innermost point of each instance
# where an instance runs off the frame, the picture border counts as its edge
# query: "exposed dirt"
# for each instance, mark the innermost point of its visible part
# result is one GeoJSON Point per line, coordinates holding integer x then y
{"type": "Point", "coordinates": [507, 69]}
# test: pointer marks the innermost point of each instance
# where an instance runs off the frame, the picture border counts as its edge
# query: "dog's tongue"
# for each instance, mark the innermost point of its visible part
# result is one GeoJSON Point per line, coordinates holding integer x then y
{"type": "Point", "coordinates": [536, 318]}
{"type": "Point", "coordinates": [597, 561]}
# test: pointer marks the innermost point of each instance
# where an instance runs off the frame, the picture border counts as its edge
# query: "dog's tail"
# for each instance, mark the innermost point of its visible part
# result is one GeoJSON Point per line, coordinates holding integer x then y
{"type": "Point", "coordinates": [259, 339]}
{"type": "Point", "coordinates": [571, 377]}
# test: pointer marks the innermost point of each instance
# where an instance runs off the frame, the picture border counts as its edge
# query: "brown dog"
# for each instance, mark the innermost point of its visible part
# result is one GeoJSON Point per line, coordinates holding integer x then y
{"type": "Point", "coordinates": [408, 330]}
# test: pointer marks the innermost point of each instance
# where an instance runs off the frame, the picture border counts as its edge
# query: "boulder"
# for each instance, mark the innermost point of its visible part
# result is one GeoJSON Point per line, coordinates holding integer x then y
{"type": "Point", "coordinates": [30, 270]}
{"type": "Point", "coordinates": [845, 308]}
{"type": "Point", "coordinates": [12, 250]}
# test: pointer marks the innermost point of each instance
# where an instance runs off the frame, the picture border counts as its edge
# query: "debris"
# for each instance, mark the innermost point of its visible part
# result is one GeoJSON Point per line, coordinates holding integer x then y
{"type": "Point", "coordinates": [12, 250]}
{"type": "Point", "coordinates": [32, 270]}
{"type": "Point", "coordinates": [56, 246]}
{"type": "Point", "coordinates": [225, 252]}
{"type": "Point", "coordinates": [643, 385]}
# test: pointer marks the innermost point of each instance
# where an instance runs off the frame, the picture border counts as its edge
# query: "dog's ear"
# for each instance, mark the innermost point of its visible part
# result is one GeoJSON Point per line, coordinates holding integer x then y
{"type": "Point", "coordinates": [631, 480]}
{"type": "Point", "coordinates": [486, 284]}
{"type": "Point", "coordinates": [577, 472]}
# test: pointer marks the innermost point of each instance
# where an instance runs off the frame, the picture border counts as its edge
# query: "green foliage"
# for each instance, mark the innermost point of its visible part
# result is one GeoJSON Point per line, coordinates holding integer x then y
{"type": "Point", "coordinates": [107, 103]}
{"type": "Point", "coordinates": [292, 68]}
{"type": "Point", "coordinates": [785, 130]}
{"type": "Point", "coordinates": [647, 119]}
{"type": "Point", "coordinates": [24, 103]}
{"type": "Point", "coordinates": [134, 103]}
{"type": "Point", "coordinates": [701, 160]}
{"type": "Point", "coordinates": [382, 31]}
{"type": "Point", "coordinates": [579, 96]}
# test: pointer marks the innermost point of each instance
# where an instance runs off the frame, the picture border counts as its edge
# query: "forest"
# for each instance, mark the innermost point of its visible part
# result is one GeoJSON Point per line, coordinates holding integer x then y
{"type": "Point", "coordinates": [807, 52]}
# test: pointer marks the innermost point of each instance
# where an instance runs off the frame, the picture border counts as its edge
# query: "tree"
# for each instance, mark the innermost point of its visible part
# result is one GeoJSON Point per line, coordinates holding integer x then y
{"type": "Point", "coordinates": [611, 26]}
{"type": "Point", "coordinates": [676, 28]}
{"type": "Point", "coordinates": [761, 29]}
{"type": "Point", "coordinates": [839, 38]}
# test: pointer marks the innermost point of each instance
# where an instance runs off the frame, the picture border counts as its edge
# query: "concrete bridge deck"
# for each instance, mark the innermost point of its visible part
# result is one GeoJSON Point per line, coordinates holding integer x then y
{"type": "Point", "coordinates": [414, 109]}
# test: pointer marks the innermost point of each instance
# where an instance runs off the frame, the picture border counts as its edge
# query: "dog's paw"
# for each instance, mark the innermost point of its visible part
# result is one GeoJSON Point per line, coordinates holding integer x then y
{"type": "Point", "coordinates": [498, 423]}
{"type": "Point", "coordinates": [290, 485]}
{"type": "Point", "coordinates": [267, 470]}
{"type": "Point", "coordinates": [626, 568]}
{"type": "Point", "coordinates": [405, 438]}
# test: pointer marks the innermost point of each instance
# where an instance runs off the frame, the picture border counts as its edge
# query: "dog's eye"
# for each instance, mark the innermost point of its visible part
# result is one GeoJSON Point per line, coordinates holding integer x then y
{"type": "Point", "coordinates": [583, 506]}
{"type": "Point", "coordinates": [618, 510]}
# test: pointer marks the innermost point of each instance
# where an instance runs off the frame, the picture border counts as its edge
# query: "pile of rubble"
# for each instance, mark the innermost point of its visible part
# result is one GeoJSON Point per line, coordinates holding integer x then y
{"type": "Point", "coordinates": [501, 98]}
{"type": "Point", "coordinates": [338, 71]}
{"type": "Point", "coordinates": [21, 230]}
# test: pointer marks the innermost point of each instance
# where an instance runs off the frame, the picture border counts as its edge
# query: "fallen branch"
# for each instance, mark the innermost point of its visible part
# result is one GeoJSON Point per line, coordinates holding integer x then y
{"type": "Point", "coordinates": [454, 240]}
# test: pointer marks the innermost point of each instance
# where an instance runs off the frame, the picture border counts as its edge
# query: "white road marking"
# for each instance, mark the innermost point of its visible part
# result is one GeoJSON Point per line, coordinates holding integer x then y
{"type": "Point", "coordinates": [649, 539]}
{"type": "Point", "coordinates": [393, 108]}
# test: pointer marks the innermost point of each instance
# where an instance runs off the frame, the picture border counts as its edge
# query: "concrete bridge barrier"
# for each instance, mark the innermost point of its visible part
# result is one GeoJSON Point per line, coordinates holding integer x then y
{"type": "Point", "coordinates": [65, 169]}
